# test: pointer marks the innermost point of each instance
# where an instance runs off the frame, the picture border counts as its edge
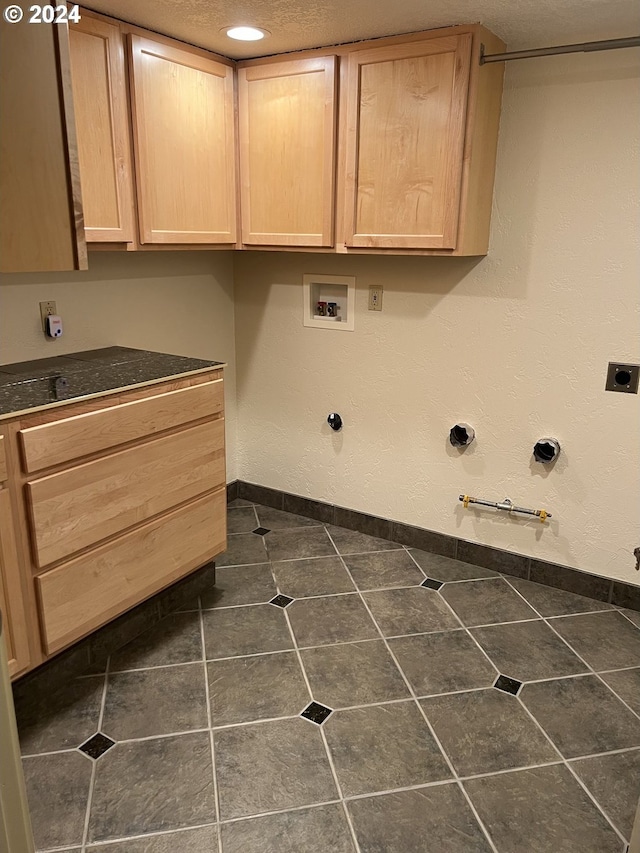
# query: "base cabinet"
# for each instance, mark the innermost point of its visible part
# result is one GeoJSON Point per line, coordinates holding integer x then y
{"type": "Point", "coordinates": [118, 497]}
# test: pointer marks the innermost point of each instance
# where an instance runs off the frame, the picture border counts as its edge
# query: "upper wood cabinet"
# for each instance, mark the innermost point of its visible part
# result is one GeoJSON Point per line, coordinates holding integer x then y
{"type": "Point", "coordinates": [405, 142]}
{"type": "Point", "coordinates": [183, 122]}
{"type": "Point", "coordinates": [417, 131]}
{"type": "Point", "coordinates": [41, 225]}
{"type": "Point", "coordinates": [287, 151]}
{"type": "Point", "coordinates": [102, 121]}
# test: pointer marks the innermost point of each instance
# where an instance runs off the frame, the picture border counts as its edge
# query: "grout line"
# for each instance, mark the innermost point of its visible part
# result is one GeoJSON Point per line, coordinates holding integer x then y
{"type": "Point", "coordinates": [604, 754]}
{"type": "Point", "coordinates": [157, 834]}
{"type": "Point", "coordinates": [321, 557]}
{"type": "Point", "coordinates": [245, 818]}
{"type": "Point", "coordinates": [50, 752]}
{"type": "Point", "coordinates": [322, 733]}
{"type": "Point", "coordinates": [154, 667]}
{"type": "Point", "coordinates": [338, 554]}
{"type": "Point", "coordinates": [424, 716]}
{"type": "Point", "coordinates": [627, 617]}
{"type": "Point", "coordinates": [495, 624]}
{"type": "Point", "coordinates": [56, 849]}
{"type": "Point", "coordinates": [464, 580]}
{"type": "Point", "coordinates": [586, 674]}
{"type": "Point", "coordinates": [87, 676]}
{"type": "Point", "coordinates": [618, 669]}
{"type": "Point", "coordinates": [258, 722]}
{"type": "Point", "coordinates": [408, 551]}
{"type": "Point", "coordinates": [216, 802]}
{"type": "Point", "coordinates": [87, 815]}
{"type": "Point", "coordinates": [339, 787]}
{"type": "Point", "coordinates": [163, 735]}
{"type": "Point", "coordinates": [300, 559]}
{"type": "Point", "coordinates": [555, 616]}
{"type": "Point", "coordinates": [557, 763]}
{"type": "Point", "coordinates": [439, 783]}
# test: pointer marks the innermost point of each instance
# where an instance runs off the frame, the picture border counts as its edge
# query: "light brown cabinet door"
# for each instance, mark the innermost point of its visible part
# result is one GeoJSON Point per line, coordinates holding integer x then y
{"type": "Point", "coordinates": [11, 602]}
{"type": "Point", "coordinates": [287, 150]}
{"type": "Point", "coordinates": [11, 599]}
{"type": "Point", "coordinates": [102, 125]}
{"type": "Point", "coordinates": [183, 121]}
{"type": "Point", "coordinates": [405, 139]}
{"type": "Point", "coordinates": [41, 226]}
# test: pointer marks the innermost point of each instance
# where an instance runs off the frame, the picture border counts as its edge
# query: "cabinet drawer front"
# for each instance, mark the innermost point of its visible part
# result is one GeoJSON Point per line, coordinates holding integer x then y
{"type": "Point", "coordinates": [83, 594]}
{"type": "Point", "coordinates": [80, 507]}
{"type": "Point", "coordinates": [71, 438]}
{"type": "Point", "coordinates": [3, 461]}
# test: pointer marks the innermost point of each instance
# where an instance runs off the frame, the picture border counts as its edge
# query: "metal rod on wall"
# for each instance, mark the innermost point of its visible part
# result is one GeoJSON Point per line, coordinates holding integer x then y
{"type": "Point", "coordinates": [586, 47]}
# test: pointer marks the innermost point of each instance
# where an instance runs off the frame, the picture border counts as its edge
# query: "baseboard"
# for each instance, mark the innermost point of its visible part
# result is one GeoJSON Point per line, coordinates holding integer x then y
{"type": "Point", "coordinates": [550, 574]}
{"type": "Point", "coordinates": [232, 491]}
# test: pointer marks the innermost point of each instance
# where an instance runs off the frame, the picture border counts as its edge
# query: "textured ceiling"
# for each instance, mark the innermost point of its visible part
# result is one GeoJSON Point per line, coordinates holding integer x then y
{"type": "Point", "coordinates": [296, 24]}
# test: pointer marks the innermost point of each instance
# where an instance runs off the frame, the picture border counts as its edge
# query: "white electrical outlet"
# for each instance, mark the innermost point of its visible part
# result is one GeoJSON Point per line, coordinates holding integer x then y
{"type": "Point", "coordinates": [375, 298]}
{"type": "Point", "coordinates": [47, 309]}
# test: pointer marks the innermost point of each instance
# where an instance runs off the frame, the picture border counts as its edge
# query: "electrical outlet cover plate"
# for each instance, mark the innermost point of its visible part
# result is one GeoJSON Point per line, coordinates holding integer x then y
{"type": "Point", "coordinates": [46, 310]}
{"type": "Point", "coordinates": [622, 377]}
{"type": "Point", "coordinates": [375, 297]}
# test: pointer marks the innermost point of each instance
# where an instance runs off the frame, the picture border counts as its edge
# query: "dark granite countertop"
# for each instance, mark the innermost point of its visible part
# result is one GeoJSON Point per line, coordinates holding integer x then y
{"type": "Point", "coordinates": [31, 385]}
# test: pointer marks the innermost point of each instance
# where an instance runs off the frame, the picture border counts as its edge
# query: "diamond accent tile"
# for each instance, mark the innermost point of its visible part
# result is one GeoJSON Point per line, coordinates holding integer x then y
{"type": "Point", "coordinates": [316, 712]}
{"type": "Point", "coordinates": [431, 584]}
{"type": "Point", "coordinates": [507, 685]}
{"type": "Point", "coordinates": [281, 601]}
{"type": "Point", "coordinates": [97, 745]}
{"type": "Point", "coordinates": [260, 531]}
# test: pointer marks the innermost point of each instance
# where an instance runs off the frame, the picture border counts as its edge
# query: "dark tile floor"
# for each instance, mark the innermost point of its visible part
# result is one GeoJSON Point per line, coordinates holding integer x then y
{"type": "Point", "coordinates": [410, 745]}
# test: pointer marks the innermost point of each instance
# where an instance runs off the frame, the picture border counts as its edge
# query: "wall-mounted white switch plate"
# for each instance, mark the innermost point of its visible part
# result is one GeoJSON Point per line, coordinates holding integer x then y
{"type": "Point", "coordinates": [375, 298]}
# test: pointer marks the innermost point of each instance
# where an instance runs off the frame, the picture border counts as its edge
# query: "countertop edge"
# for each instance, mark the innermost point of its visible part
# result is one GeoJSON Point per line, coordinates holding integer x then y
{"type": "Point", "coordinates": [8, 416]}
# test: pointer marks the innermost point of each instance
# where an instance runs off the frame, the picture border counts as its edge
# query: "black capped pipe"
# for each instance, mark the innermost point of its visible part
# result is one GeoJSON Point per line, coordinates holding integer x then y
{"type": "Point", "coordinates": [546, 450]}
{"type": "Point", "coordinates": [461, 435]}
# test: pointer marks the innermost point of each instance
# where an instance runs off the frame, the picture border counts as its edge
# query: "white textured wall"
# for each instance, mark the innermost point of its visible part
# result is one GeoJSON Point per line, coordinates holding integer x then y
{"type": "Point", "coordinates": [177, 302]}
{"type": "Point", "coordinates": [516, 344]}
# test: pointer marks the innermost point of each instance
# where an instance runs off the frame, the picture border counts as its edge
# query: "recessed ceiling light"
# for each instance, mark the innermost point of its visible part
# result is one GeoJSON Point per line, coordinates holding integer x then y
{"type": "Point", "coordinates": [245, 33]}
